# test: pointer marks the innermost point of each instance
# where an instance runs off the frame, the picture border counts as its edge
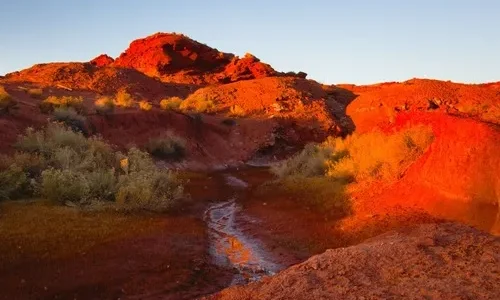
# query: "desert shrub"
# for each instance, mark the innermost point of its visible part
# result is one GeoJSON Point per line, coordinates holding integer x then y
{"type": "Point", "coordinates": [154, 190]}
{"type": "Point", "coordinates": [197, 103]}
{"type": "Point", "coordinates": [370, 156]}
{"type": "Point", "coordinates": [14, 183]}
{"type": "Point", "coordinates": [70, 118]}
{"type": "Point", "coordinates": [35, 93]}
{"type": "Point", "coordinates": [237, 111]}
{"type": "Point", "coordinates": [377, 155]}
{"type": "Point", "coordinates": [145, 105]}
{"type": "Point", "coordinates": [102, 184]}
{"type": "Point", "coordinates": [64, 185]}
{"type": "Point", "coordinates": [168, 146]}
{"type": "Point", "coordinates": [104, 105]}
{"type": "Point", "coordinates": [52, 102]}
{"type": "Point", "coordinates": [63, 166]}
{"type": "Point", "coordinates": [31, 164]}
{"type": "Point", "coordinates": [6, 101]}
{"type": "Point", "coordinates": [308, 163]}
{"type": "Point", "coordinates": [144, 186]}
{"type": "Point", "coordinates": [172, 103]}
{"type": "Point", "coordinates": [47, 141]}
{"type": "Point", "coordinates": [124, 99]}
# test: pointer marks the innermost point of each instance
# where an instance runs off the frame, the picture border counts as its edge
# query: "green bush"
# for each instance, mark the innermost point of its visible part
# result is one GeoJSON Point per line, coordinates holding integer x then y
{"type": "Point", "coordinates": [14, 183]}
{"type": "Point", "coordinates": [154, 190]}
{"type": "Point", "coordinates": [49, 140]}
{"type": "Point", "coordinates": [168, 146]}
{"type": "Point", "coordinates": [67, 167]}
{"type": "Point", "coordinates": [64, 185]}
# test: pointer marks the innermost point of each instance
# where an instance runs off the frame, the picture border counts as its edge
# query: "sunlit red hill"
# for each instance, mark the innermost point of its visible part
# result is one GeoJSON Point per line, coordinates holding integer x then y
{"type": "Point", "coordinates": [234, 110]}
{"type": "Point", "coordinates": [275, 111]}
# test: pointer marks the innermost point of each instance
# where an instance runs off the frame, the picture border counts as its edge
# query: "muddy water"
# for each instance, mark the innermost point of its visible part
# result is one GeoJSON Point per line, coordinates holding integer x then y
{"type": "Point", "coordinates": [229, 245]}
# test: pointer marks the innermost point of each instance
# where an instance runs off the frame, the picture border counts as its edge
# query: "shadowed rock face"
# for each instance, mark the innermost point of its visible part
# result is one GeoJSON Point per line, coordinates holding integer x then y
{"type": "Point", "coordinates": [439, 261]}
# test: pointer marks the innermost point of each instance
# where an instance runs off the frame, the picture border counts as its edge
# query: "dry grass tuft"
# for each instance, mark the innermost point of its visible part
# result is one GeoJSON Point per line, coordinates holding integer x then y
{"type": "Point", "coordinates": [104, 105]}
{"type": "Point", "coordinates": [124, 99]}
{"type": "Point", "coordinates": [197, 103]}
{"type": "Point", "coordinates": [35, 93]}
{"type": "Point", "coordinates": [172, 103]}
{"type": "Point", "coordinates": [145, 105]}
{"type": "Point", "coordinates": [6, 101]}
{"type": "Point", "coordinates": [52, 102]}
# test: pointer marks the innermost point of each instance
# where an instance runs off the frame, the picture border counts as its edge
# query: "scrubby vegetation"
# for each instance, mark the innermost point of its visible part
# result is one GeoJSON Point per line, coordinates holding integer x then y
{"type": "Point", "coordinates": [70, 118]}
{"type": "Point", "coordinates": [197, 103]}
{"type": "Point", "coordinates": [370, 156]}
{"type": "Point", "coordinates": [65, 167]}
{"type": "Point", "coordinates": [52, 102]}
{"type": "Point", "coordinates": [172, 103]}
{"type": "Point", "coordinates": [104, 105]}
{"type": "Point", "coordinates": [35, 93]}
{"type": "Point", "coordinates": [6, 101]}
{"type": "Point", "coordinates": [145, 105]}
{"type": "Point", "coordinates": [376, 155]}
{"type": "Point", "coordinates": [124, 99]}
{"type": "Point", "coordinates": [321, 171]}
{"type": "Point", "coordinates": [167, 146]}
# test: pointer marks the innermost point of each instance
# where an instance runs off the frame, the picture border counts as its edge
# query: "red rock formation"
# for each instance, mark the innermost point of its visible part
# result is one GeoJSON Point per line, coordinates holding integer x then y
{"type": "Point", "coordinates": [248, 67]}
{"type": "Point", "coordinates": [177, 58]}
{"type": "Point", "coordinates": [102, 60]}
{"type": "Point", "coordinates": [168, 53]}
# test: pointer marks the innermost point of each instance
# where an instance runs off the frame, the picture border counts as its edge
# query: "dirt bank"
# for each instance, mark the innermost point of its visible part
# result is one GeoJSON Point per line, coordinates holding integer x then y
{"type": "Point", "coordinates": [435, 261]}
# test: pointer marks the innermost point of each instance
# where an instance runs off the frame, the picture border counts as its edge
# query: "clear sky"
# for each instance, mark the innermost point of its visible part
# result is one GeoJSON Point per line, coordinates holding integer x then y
{"type": "Point", "coordinates": [333, 41]}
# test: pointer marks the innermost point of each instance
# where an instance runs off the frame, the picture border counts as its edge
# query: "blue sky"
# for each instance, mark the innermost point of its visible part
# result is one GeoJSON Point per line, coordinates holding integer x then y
{"type": "Point", "coordinates": [333, 41]}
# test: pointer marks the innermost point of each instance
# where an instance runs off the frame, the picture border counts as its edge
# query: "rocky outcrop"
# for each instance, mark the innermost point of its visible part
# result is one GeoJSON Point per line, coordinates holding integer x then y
{"type": "Point", "coordinates": [380, 103]}
{"type": "Point", "coordinates": [168, 53]}
{"type": "Point", "coordinates": [177, 58]}
{"type": "Point", "coordinates": [102, 60]}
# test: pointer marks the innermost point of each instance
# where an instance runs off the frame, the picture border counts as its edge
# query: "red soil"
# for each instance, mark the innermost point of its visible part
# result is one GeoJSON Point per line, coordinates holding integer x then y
{"type": "Point", "coordinates": [380, 103]}
{"type": "Point", "coordinates": [104, 80]}
{"type": "Point", "coordinates": [210, 144]}
{"type": "Point", "coordinates": [457, 178]}
{"type": "Point", "coordinates": [298, 103]}
{"type": "Point", "coordinates": [436, 261]}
